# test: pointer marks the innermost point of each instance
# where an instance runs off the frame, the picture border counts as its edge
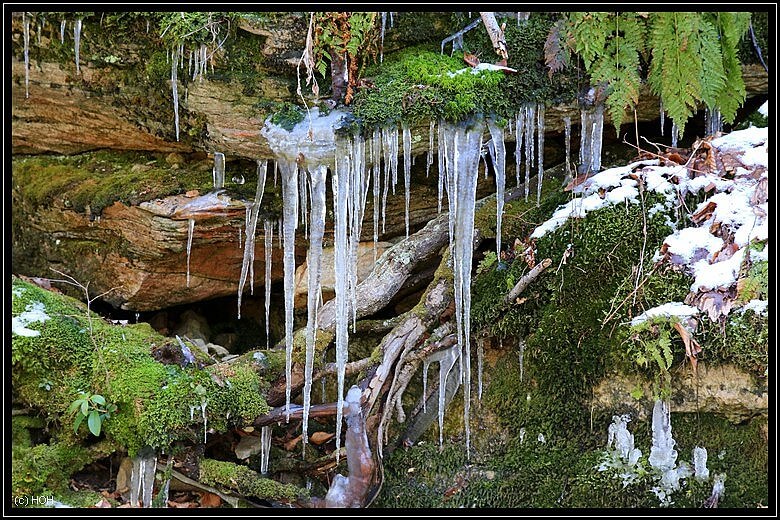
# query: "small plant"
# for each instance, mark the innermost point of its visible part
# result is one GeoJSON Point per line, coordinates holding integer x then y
{"type": "Point", "coordinates": [94, 408]}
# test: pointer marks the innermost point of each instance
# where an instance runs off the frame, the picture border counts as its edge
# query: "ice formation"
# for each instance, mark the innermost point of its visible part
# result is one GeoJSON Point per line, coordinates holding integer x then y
{"type": "Point", "coordinates": [268, 235]}
{"type": "Point", "coordinates": [175, 91]}
{"type": "Point", "coordinates": [265, 448]}
{"type": "Point", "coordinates": [407, 141]}
{"type": "Point", "coordinates": [462, 148]}
{"type": "Point", "coordinates": [26, 23]}
{"type": "Point", "coordinates": [498, 155]}
{"type": "Point", "coordinates": [253, 209]}
{"type": "Point", "coordinates": [540, 151]}
{"type": "Point", "coordinates": [142, 478]}
{"type": "Point", "coordinates": [591, 131]}
{"type": "Point", "coordinates": [190, 233]}
{"type": "Point", "coordinates": [317, 177]}
{"type": "Point", "coordinates": [77, 42]}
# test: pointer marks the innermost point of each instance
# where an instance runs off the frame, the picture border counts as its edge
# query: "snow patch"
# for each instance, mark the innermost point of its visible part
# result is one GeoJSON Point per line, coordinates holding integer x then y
{"type": "Point", "coordinates": [33, 313]}
{"type": "Point", "coordinates": [667, 309]}
{"type": "Point", "coordinates": [757, 306]}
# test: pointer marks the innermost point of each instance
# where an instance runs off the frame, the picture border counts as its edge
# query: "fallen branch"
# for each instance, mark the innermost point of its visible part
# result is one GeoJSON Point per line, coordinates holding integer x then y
{"type": "Point", "coordinates": [526, 280]}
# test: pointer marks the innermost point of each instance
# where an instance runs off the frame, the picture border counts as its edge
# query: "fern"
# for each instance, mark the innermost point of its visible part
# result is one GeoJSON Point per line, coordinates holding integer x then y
{"type": "Point", "coordinates": [676, 68]}
{"type": "Point", "coordinates": [556, 52]}
{"type": "Point", "coordinates": [610, 45]}
{"type": "Point", "coordinates": [731, 27]}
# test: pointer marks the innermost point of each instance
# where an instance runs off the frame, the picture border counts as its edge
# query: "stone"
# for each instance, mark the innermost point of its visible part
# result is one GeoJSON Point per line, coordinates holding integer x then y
{"type": "Point", "coordinates": [123, 476]}
{"type": "Point", "coordinates": [248, 446]}
{"type": "Point", "coordinates": [217, 350]}
{"type": "Point", "coordinates": [194, 326]}
{"type": "Point", "coordinates": [722, 389]}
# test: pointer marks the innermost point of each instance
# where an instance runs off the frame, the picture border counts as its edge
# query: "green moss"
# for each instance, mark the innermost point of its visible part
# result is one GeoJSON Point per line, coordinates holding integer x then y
{"type": "Point", "coordinates": [247, 482]}
{"type": "Point", "coordinates": [743, 341]}
{"type": "Point", "coordinates": [287, 115]}
{"type": "Point", "coordinates": [20, 429]}
{"type": "Point", "coordinates": [97, 180]}
{"type": "Point", "coordinates": [154, 400]}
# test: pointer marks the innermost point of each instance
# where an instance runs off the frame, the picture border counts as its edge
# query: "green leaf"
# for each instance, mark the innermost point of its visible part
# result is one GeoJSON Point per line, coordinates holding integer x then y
{"type": "Point", "coordinates": [84, 407]}
{"type": "Point", "coordinates": [74, 406]}
{"type": "Point", "coordinates": [99, 399]}
{"type": "Point", "coordinates": [637, 392]}
{"type": "Point", "coordinates": [94, 423]}
{"type": "Point", "coordinates": [77, 422]}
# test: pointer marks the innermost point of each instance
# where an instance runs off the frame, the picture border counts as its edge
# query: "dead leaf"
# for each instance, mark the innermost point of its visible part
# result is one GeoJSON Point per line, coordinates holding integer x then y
{"type": "Point", "coordinates": [103, 503]}
{"type": "Point", "coordinates": [761, 193]}
{"type": "Point", "coordinates": [192, 193]}
{"type": "Point", "coordinates": [460, 483]}
{"type": "Point", "coordinates": [210, 500]}
{"type": "Point", "coordinates": [522, 300]}
{"type": "Point", "coordinates": [319, 438]}
{"type": "Point", "coordinates": [692, 347]}
{"type": "Point", "coordinates": [704, 213]}
{"type": "Point", "coordinates": [290, 445]}
{"type": "Point", "coordinates": [579, 179]}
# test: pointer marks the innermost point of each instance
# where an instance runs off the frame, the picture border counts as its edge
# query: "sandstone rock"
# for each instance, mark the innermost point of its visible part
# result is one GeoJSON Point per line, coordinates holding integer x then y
{"type": "Point", "coordinates": [248, 446]}
{"type": "Point", "coordinates": [725, 390]}
{"type": "Point", "coordinates": [194, 326]}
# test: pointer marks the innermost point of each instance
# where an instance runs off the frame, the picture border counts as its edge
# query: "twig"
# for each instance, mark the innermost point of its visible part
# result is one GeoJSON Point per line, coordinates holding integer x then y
{"type": "Point", "coordinates": [526, 280]}
{"type": "Point", "coordinates": [658, 156]}
{"type": "Point", "coordinates": [614, 310]}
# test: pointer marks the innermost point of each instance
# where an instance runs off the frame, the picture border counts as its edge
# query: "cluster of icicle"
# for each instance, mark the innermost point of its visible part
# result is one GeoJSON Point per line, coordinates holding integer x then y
{"type": "Point", "coordinates": [26, 36]}
{"type": "Point", "coordinates": [198, 61]}
{"type": "Point", "coordinates": [625, 460]}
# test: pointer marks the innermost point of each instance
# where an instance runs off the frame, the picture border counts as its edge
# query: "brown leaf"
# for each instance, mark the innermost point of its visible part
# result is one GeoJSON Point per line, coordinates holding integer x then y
{"type": "Point", "coordinates": [579, 179]}
{"type": "Point", "coordinates": [210, 500]}
{"type": "Point", "coordinates": [319, 438]}
{"type": "Point", "coordinates": [761, 194]}
{"type": "Point", "coordinates": [192, 193]}
{"type": "Point", "coordinates": [692, 347]}
{"type": "Point", "coordinates": [289, 445]}
{"type": "Point", "coordinates": [704, 213]}
{"type": "Point", "coordinates": [460, 483]}
{"type": "Point", "coordinates": [471, 59]}
{"type": "Point", "coordinates": [103, 504]}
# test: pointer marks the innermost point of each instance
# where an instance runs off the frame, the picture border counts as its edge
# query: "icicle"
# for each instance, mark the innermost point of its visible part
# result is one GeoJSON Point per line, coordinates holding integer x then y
{"type": "Point", "coordinates": [591, 130]}
{"type": "Point", "coordinates": [357, 205]}
{"type": "Point", "coordinates": [663, 118]}
{"type": "Point", "coordinates": [147, 26]}
{"type": "Point", "coordinates": [276, 170]}
{"type": "Point", "coordinates": [191, 61]}
{"type": "Point", "coordinates": [317, 177]}
{"type": "Point", "coordinates": [167, 485]}
{"type": "Point", "coordinates": [426, 364]}
{"type": "Point", "coordinates": [38, 34]}
{"type": "Point", "coordinates": [713, 122]}
{"type": "Point", "coordinates": [340, 182]}
{"type": "Point", "coordinates": [675, 134]}
{"type": "Point", "coordinates": [382, 38]}
{"type": "Point", "coordinates": [441, 162]}
{"type": "Point", "coordinates": [498, 155]}
{"type": "Point", "coordinates": [376, 147]}
{"type": "Point", "coordinates": [480, 358]}
{"type": "Point", "coordinates": [567, 131]}
{"type": "Point", "coordinates": [181, 56]}
{"type": "Point", "coordinates": [77, 42]}
{"type": "Point", "coordinates": [218, 171]}
{"type": "Point", "coordinates": [596, 138]}
{"type": "Point", "coordinates": [429, 157]}
{"type": "Point", "coordinates": [265, 449]}
{"type": "Point", "coordinates": [700, 463]}
{"type": "Point", "coordinates": [446, 362]}
{"type": "Point", "coordinates": [175, 91]}
{"type": "Point", "coordinates": [386, 152]}
{"type": "Point", "coordinates": [205, 419]}
{"type": "Point", "coordinates": [192, 413]}
{"type": "Point", "coordinates": [303, 191]}
{"type": "Point", "coordinates": [530, 124]}
{"type": "Point", "coordinates": [662, 453]}
{"type": "Point", "coordinates": [519, 133]}
{"type": "Point", "coordinates": [26, 23]}
{"type": "Point", "coordinates": [290, 211]}
{"type": "Point", "coordinates": [520, 353]}
{"type": "Point", "coordinates": [142, 478]}
{"type": "Point", "coordinates": [540, 151]}
{"type": "Point", "coordinates": [462, 152]}
{"type": "Point", "coordinates": [407, 139]}
{"type": "Point", "coordinates": [249, 243]}
{"type": "Point", "coordinates": [62, 31]}
{"type": "Point", "coordinates": [190, 232]}
{"type": "Point", "coordinates": [268, 232]}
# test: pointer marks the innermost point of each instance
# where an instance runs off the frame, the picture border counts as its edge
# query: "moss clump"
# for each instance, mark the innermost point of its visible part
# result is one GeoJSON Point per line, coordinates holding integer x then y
{"type": "Point", "coordinates": [287, 115]}
{"type": "Point", "coordinates": [98, 179]}
{"type": "Point", "coordinates": [154, 401]}
{"type": "Point", "coordinates": [247, 482]}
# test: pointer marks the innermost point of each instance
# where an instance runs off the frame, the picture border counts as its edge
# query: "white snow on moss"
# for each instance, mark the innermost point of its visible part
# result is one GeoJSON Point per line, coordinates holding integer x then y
{"type": "Point", "coordinates": [33, 313]}
{"type": "Point", "coordinates": [667, 309]}
{"type": "Point", "coordinates": [757, 306]}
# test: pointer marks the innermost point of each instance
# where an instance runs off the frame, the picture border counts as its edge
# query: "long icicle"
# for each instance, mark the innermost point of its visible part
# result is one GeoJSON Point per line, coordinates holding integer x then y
{"type": "Point", "coordinates": [429, 156]}
{"type": "Point", "coordinates": [376, 152]}
{"type": "Point", "coordinates": [567, 132]}
{"type": "Point", "coordinates": [249, 241]}
{"type": "Point", "coordinates": [498, 156]}
{"type": "Point", "coordinates": [290, 222]}
{"type": "Point", "coordinates": [357, 206]}
{"type": "Point", "coordinates": [530, 128]}
{"type": "Point", "coordinates": [340, 182]}
{"type": "Point", "coordinates": [442, 162]}
{"type": "Point", "coordinates": [317, 177]}
{"type": "Point", "coordinates": [407, 140]}
{"type": "Point", "coordinates": [519, 133]}
{"type": "Point", "coordinates": [268, 235]}
{"type": "Point", "coordinates": [77, 42]}
{"type": "Point", "coordinates": [26, 23]}
{"type": "Point", "coordinates": [190, 232]}
{"type": "Point", "coordinates": [540, 151]}
{"type": "Point", "coordinates": [175, 91]}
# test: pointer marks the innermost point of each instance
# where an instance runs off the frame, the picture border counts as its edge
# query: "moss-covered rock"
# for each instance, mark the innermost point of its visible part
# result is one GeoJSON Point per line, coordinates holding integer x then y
{"type": "Point", "coordinates": [248, 482]}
